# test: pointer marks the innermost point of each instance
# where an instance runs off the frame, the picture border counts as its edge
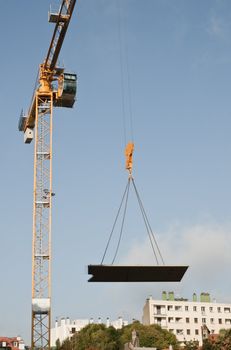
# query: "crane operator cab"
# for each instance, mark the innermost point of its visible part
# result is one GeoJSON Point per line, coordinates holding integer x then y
{"type": "Point", "coordinates": [64, 96]}
{"type": "Point", "coordinates": [67, 86]}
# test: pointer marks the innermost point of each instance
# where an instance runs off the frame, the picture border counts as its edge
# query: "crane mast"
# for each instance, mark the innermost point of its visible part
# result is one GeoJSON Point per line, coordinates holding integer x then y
{"type": "Point", "coordinates": [55, 88]}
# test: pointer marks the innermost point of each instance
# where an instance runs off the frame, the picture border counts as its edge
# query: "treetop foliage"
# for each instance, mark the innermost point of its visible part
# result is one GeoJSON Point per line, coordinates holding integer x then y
{"type": "Point", "coordinates": [100, 337]}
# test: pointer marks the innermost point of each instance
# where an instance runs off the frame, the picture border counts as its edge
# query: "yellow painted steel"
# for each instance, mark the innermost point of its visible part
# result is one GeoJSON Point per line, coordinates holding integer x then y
{"type": "Point", "coordinates": [42, 215]}
{"type": "Point", "coordinates": [39, 117]}
{"type": "Point", "coordinates": [129, 156]}
{"type": "Point", "coordinates": [48, 71]}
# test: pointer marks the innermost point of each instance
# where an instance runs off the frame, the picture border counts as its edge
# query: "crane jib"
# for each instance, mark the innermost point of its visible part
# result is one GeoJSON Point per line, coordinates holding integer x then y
{"type": "Point", "coordinates": [62, 20]}
{"type": "Point", "coordinates": [64, 94]}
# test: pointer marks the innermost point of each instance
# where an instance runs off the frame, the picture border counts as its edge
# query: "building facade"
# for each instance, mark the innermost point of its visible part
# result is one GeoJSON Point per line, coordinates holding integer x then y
{"type": "Point", "coordinates": [15, 343]}
{"type": "Point", "coordinates": [188, 320]}
{"type": "Point", "coordinates": [65, 328]}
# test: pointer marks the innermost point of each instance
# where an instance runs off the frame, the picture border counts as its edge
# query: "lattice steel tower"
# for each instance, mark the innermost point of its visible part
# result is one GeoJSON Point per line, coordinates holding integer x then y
{"type": "Point", "coordinates": [55, 88]}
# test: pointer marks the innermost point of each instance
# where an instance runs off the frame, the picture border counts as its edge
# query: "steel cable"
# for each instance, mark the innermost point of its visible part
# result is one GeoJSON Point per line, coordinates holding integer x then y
{"type": "Point", "coordinates": [147, 224]}
{"type": "Point", "coordinates": [113, 227]}
{"type": "Point", "coordinates": [122, 225]}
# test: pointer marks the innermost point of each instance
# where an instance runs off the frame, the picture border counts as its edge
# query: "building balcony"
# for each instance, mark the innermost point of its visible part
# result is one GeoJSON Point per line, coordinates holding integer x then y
{"type": "Point", "coordinates": [158, 313]}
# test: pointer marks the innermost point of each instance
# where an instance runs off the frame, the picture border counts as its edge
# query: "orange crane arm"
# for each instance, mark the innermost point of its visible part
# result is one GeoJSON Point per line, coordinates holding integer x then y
{"type": "Point", "coordinates": [48, 70]}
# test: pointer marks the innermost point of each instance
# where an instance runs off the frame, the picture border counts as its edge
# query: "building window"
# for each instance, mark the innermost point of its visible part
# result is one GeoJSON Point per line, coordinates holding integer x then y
{"type": "Point", "coordinates": [195, 320]}
{"type": "Point", "coordinates": [196, 331]}
{"type": "Point", "coordinates": [202, 308]}
{"type": "Point", "coordinates": [203, 320]}
{"type": "Point", "coordinates": [227, 309]}
{"type": "Point", "coordinates": [211, 309]}
{"type": "Point", "coordinates": [158, 310]}
{"type": "Point", "coordinates": [219, 320]}
{"type": "Point", "coordinates": [218, 309]}
{"type": "Point", "coordinates": [188, 331]}
{"type": "Point", "coordinates": [179, 331]}
{"type": "Point", "coordinates": [170, 307]}
{"type": "Point", "coordinates": [227, 321]}
{"type": "Point", "coordinates": [73, 330]}
{"type": "Point", "coordinates": [178, 308]}
{"type": "Point", "coordinates": [171, 330]}
{"type": "Point", "coordinates": [194, 308]}
{"type": "Point", "coordinates": [186, 308]}
{"type": "Point", "coordinates": [212, 320]}
{"type": "Point", "coordinates": [158, 321]}
{"type": "Point", "coordinates": [170, 319]}
{"type": "Point", "coordinates": [187, 319]}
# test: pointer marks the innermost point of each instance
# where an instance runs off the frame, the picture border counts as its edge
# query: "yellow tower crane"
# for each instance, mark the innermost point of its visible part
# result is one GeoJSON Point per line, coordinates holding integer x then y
{"type": "Point", "coordinates": [54, 88]}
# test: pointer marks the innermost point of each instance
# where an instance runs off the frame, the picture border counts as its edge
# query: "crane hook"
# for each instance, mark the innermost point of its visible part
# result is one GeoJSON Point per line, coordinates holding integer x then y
{"type": "Point", "coordinates": [128, 154]}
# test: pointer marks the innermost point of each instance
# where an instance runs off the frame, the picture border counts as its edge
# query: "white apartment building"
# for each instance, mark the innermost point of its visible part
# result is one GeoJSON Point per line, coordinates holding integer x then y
{"type": "Point", "coordinates": [187, 319]}
{"type": "Point", "coordinates": [65, 328]}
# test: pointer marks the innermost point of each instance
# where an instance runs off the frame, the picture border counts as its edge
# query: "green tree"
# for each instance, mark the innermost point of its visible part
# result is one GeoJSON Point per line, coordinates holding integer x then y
{"type": "Point", "coordinates": [99, 337]}
{"type": "Point", "coordinates": [149, 336]}
{"type": "Point", "coordinates": [208, 345]}
{"type": "Point", "coordinates": [57, 344]}
{"type": "Point", "coordinates": [191, 345]}
{"type": "Point", "coordinates": [66, 345]}
{"type": "Point", "coordinates": [95, 337]}
{"type": "Point", "coordinates": [224, 340]}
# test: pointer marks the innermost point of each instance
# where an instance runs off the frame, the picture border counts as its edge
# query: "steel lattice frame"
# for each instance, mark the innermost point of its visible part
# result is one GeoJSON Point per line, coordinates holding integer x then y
{"type": "Point", "coordinates": [41, 243]}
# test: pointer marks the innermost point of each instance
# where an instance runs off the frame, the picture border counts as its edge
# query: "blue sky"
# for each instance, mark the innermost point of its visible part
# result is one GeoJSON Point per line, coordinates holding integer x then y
{"type": "Point", "coordinates": [179, 64]}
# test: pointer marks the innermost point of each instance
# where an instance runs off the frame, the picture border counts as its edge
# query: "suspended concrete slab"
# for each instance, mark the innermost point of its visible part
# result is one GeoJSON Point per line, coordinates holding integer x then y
{"type": "Point", "coordinates": [118, 273]}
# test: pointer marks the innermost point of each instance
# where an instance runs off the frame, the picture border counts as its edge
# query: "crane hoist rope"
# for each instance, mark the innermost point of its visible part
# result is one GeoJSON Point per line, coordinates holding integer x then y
{"type": "Point", "coordinates": [156, 251]}
{"type": "Point", "coordinates": [123, 273]}
{"type": "Point", "coordinates": [125, 81]}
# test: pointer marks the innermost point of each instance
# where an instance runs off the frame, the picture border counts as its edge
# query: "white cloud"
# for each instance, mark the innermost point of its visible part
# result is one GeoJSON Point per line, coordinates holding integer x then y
{"type": "Point", "coordinates": [216, 26]}
{"type": "Point", "coordinates": [195, 244]}
{"type": "Point", "coordinates": [205, 248]}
